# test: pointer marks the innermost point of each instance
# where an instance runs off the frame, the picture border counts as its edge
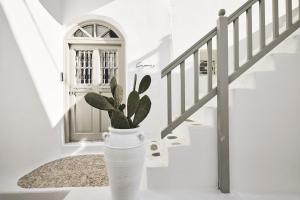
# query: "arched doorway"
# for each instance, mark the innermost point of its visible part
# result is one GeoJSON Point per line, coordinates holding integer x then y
{"type": "Point", "coordinates": [94, 53]}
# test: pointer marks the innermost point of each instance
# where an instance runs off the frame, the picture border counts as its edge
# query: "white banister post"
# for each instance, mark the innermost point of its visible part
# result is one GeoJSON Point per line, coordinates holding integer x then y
{"type": "Point", "coordinates": [222, 95]}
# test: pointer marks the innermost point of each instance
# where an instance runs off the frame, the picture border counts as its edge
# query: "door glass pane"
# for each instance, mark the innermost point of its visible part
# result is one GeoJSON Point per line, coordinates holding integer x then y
{"type": "Point", "coordinates": [104, 32]}
{"type": "Point", "coordinates": [89, 29]}
{"type": "Point", "coordinates": [110, 34]}
{"type": "Point", "coordinates": [79, 33]}
{"type": "Point", "coordinates": [108, 68]}
{"type": "Point", "coordinates": [101, 30]}
{"type": "Point", "coordinates": [84, 66]}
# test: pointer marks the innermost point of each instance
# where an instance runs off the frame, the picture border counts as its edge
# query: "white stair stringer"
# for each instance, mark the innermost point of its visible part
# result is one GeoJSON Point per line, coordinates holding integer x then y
{"type": "Point", "coordinates": [157, 154]}
{"type": "Point", "coordinates": [190, 167]}
{"type": "Point", "coordinates": [157, 150]}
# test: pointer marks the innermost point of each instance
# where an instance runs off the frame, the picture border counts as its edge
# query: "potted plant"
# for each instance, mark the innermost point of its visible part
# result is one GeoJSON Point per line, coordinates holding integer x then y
{"type": "Point", "coordinates": [124, 150]}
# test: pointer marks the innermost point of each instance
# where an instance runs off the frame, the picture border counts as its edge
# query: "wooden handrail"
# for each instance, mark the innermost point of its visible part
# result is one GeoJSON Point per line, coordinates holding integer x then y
{"type": "Point", "coordinates": [188, 52]}
{"type": "Point", "coordinates": [205, 39]}
{"type": "Point", "coordinates": [241, 10]}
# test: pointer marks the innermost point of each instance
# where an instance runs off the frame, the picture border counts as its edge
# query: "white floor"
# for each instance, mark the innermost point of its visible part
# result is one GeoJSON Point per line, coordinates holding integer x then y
{"type": "Point", "coordinates": [103, 194]}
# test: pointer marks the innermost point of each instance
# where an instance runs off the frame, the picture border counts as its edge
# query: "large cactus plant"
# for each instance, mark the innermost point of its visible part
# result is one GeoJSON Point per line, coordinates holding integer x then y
{"type": "Point", "coordinates": [137, 107]}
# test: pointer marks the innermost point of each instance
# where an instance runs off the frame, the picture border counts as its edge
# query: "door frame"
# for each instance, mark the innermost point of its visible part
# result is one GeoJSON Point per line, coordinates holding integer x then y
{"type": "Point", "coordinates": [71, 40]}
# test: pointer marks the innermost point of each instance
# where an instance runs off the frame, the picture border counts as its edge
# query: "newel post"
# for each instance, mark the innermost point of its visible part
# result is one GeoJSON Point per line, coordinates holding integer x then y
{"type": "Point", "coordinates": [222, 112]}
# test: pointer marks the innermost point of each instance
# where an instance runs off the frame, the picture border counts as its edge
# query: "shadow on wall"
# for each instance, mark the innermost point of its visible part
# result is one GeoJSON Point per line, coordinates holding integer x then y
{"type": "Point", "coordinates": [160, 56]}
{"type": "Point", "coordinates": [27, 138]}
{"type": "Point", "coordinates": [42, 37]}
{"type": "Point", "coordinates": [163, 52]}
{"type": "Point", "coordinates": [57, 8]}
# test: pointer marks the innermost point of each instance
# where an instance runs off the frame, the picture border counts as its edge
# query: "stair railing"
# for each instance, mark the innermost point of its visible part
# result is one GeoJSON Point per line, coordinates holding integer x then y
{"type": "Point", "coordinates": [223, 78]}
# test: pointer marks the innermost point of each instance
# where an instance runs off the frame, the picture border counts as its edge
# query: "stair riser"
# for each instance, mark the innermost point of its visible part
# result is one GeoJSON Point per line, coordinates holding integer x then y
{"type": "Point", "coordinates": [189, 167]}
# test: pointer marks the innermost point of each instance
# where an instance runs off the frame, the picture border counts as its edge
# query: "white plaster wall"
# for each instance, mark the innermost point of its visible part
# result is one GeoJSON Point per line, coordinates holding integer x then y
{"type": "Point", "coordinates": [27, 136]}
{"type": "Point", "coordinates": [147, 31]}
{"type": "Point", "coordinates": [38, 37]}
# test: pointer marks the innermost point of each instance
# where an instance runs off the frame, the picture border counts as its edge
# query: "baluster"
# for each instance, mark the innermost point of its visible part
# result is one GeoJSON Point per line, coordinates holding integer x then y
{"type": "Point", "coordinates": [109, 65]}
{"type": "Point", "coordinates": [84, 66]}
{"type": "Point", "coordinates": [209, 65]}
{"type": "Point", "coordinates": [169, 97]}
{"type": "Point", "coordinates": [115, 63]}
{"type": "Point", "coordinates": [275, 19]}
{"type": "Point", "coordinates": [236, 45]}
{"type": "Point", "coordinates": [105, 67]}
{"type": "Point", "coordinates": [222, 102]}
{"type": "Point", "coordinates": [91, 67]}
{"type": "Point", "coordinates": [262, 24]}
{"type": "Point", "coordinates": [101, 66]}
{"type": "Point", "coordinates": [249, 33]}
{"type": "Point", "coordinates": [289, 13]}
{"type": "Point", "coordinates": [112, 65]}
{"type": "Point", "coordinates": [77, 66]}
{"type": "Point", "coordinates": [182, 86]}
{"type": "Point", "coordinates": [196, 76]}
{"type": "Point", "coordinates": [87, 68]}
{"type": "Point", "coordinates": [81, 66]}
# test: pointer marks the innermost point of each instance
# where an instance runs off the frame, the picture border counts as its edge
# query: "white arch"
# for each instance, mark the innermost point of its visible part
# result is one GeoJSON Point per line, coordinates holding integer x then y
{"type": "Point", "coordinates": [101, 20]}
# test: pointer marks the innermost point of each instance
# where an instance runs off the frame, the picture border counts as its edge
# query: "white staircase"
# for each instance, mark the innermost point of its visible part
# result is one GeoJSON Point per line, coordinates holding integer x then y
{"type": "Point", "coordinates": [264, 135]}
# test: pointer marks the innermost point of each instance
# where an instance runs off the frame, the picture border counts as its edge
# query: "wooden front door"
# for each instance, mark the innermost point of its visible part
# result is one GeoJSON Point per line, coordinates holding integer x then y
{"type": "Point", "coordinates": [90, 69]}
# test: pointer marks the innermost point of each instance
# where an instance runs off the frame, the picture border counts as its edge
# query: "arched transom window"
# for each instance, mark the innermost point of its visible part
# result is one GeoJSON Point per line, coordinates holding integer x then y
{"type": "Point", "coordinates": [95, 31]}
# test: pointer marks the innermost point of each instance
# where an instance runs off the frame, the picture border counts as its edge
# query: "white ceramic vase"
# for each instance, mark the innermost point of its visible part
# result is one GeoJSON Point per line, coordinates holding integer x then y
{"type": "Point", "coordinates": [124, 154]}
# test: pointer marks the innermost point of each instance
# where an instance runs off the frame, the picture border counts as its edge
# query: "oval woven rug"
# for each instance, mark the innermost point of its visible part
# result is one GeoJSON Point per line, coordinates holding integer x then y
{"type": "Point", "coordinates": [73, 171]}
